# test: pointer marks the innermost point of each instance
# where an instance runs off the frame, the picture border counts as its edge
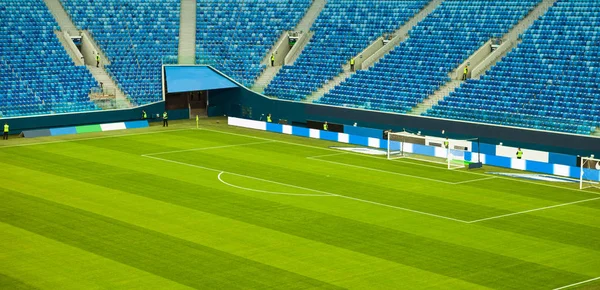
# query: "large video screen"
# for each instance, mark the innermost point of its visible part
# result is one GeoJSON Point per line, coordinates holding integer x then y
{"type": "Point", "coordinates": [194, 78]}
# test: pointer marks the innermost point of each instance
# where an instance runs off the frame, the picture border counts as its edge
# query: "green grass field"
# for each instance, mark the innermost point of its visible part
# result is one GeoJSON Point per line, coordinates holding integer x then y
{"type": "Point", "coordinates": [223, 207]}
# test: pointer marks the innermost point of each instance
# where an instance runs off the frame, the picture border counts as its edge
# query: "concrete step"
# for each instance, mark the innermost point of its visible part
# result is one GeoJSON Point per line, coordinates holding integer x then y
{"type": "Point", "coordinates": [434, 98]}
{"type": "Point", "coordinates": [400, 34]}
{"type": "Point", "coordinates": [265, 78]}
{"type": "Point", "coordinates": [70, 48]}
{"type": "Point", "coordinates": [101, 75]}
{"type": "Point", "coordinates": [187, 32]}
{"type": "Point", "coordinates": [311, 15]}
{"type": "Point", "coordinates": [61, 16]}
{"type": "Point", "coordinates": [328, 86]}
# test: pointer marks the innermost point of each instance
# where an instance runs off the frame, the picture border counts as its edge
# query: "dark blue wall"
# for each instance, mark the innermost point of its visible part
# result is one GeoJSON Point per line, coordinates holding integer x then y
{"type": "Point", "coordinates": [98, 117]}
{"type": "Point", "coordinates": [239, 102]}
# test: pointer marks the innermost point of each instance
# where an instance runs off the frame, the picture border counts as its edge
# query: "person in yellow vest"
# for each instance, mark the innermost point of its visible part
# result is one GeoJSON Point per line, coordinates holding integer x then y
{"type": "Point", "coordinates": [5, 136]}
{"type": "Point", "coordinates": [165, 119]}
{"type": "Point", "coordinates": [352, 64]}
{"type": "Point", "coordinates": [272, 59]}
{"type": "Point", "coordinates": [325, 126]}
{"type": "Point", "coordinates": [97, 60]}
{"type": "Point", "coordinates": [466, 71]}
{"type": "Point", "coordinates": [446, 143]}
{"type": "Point", "coordinates": [519, 153]}
{"type": "Point", "coordinates": [144, 115]}
{"type": "Point", "coordinates": [269, 120]}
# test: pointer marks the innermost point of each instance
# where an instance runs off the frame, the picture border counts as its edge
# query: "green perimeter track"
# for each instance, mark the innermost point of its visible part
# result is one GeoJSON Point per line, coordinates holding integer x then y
{"type": "Point", "coordinates": [229, 208]}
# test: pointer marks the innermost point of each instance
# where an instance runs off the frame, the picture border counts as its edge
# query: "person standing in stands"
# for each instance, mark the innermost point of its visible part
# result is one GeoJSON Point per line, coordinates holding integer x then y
{"type": "Point", "coordinates": [519, 153]}
{"type": "Point", "coordinates": [144, 115]}
{"type": "Point", "coordinates": [325, 126]}
{"type": "Point", "coordinates": [269, 120]}
{"type": "Point", "coordinates": [5, 136]}
{"type": "Point", "coordinates": [165, 119]}
{"type": "Point", "coordinates": [97, 59]}
{"type": "Point", "coordinates": [466, 71]}
{"type": "Point", "coordinates": [272, 59]}
{"type": "Point", "coordinates": [352, 64]}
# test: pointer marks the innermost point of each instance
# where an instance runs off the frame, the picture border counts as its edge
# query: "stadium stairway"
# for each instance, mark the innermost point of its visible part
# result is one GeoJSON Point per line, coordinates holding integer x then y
{"type": "Point", "coordinates": [67, 28]}
{"type": "Point", "coordinates": [187, 32]}
{"type": "Point", "coordinates": [374, 52]}
{"type": "Point", "coordinates": [483, 58]}
{"type": "Point", "coordinates": [281, 50]}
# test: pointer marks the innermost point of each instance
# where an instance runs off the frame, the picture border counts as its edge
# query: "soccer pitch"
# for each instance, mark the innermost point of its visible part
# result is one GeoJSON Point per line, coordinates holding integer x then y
{"type": "Point", "coordinates": [230, 208]}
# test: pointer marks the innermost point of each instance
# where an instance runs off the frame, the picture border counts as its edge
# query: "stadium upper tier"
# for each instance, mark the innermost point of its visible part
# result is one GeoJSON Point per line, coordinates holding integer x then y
{"type": "Point", "coordinates": [37, 75]}
{"type": "Point", "coordinates": [343, 29]}
{"type": "Point", "coordinates": [436, 46]}
{"type": "Point", "coordinates": [235, 35]}
{"type": "Point", "coordinates": [135, 35]}
{"type": "Point", "coordinates": [550, 81]}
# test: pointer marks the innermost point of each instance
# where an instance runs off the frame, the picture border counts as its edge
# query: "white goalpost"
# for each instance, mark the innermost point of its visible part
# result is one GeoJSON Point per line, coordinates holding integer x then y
{"type": "Point", "coordinates": [452, 154]}
{"type": "Point", "coordinates": [589, 173]}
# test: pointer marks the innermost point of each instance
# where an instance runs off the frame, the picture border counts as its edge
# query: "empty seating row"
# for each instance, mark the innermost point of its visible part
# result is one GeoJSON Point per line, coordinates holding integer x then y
{"type": "Point", "coordinates": [437, 45]}
{"type": "Point", "coordinates": [37, 76]}
{"type": "Point", "coordinates": [548, 82]}
{"type": "Point", "coordinates": [343, 29]}
{"type": "Point", "coordinates": [135, 35]}
{"type": "Point", "coordinates": [235, 35]}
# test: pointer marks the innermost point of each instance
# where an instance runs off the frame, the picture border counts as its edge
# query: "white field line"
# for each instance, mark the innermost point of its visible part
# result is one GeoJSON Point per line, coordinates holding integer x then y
{"type": "Point", "coordinates": [532, 210]}
{"type": "Point", "coordinates": [91, 138]}
{"type": "Point", "coordinates": [379, 170]}
{"type": "Point", "coordinates": [208, 148]}
{"type": "Point", "coordinates": [265, 191]}
{"type": "Point", "coordinates": [324, 193]}
{"type": "Point", "coordinates": [397, 160]}
{"type": "Point", "coordinates": [578, 283]}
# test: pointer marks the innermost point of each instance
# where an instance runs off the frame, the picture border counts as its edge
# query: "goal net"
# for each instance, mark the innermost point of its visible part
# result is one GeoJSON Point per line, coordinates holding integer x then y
{"type": "Point", "coordinates": [589, 173]}
{"type": "Point", "coordinates": [451, 153]}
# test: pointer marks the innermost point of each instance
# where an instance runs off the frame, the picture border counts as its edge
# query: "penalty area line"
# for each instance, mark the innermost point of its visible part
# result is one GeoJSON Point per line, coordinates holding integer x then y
{"type": "Point", "coordinates": [264, 191]}
{"type": "Point", "coordinates": [576, 284]}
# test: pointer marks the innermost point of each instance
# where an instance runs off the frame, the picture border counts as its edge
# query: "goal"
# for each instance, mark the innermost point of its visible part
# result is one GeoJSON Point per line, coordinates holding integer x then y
{"type": "Point", "coordinates": [431, 149]}
{"type": "Point", "coordinates": [589, 173]}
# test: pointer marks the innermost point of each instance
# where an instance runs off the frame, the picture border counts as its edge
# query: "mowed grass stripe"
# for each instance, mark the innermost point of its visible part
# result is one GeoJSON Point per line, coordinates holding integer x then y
{"type": "Point", "coordinates": [447, 259]}
{"type": "Point", "coordinates": [40, 262]}
{"type": "Point", "coordinates": [7, 282]}
{"type": "Point", "coordinates": [309, 258]}
{"type": "Point", "coordinates": [181, 261]}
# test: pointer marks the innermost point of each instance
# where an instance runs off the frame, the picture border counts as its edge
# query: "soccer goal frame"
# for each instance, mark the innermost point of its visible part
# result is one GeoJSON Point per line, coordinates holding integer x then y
{"type": "Point", "coordinates": [589, 173]}
{"type": "Point", "coordinates": [400, 144]}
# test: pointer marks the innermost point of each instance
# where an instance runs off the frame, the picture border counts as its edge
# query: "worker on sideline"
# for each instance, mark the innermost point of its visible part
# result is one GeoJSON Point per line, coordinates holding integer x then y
{"type": "Point", "coordinates": [144, 115]}
{"type": "Point", "coordinates": [269, 120]}
{"type": "Point", "coordinates": [325, 126]}
{"type": "Point", "coordinates": [519, 153]}
{"type": "Point", "coordinates": [165, 119]}
{"type": "Point", "coordinates": [272, 59]}
{"type": "Point", "coordinates": [466, 71]}
{"type": "Point", "coordinates": [97, 60]}
{"type": "Point", "coordinates": [446, 143]}
{"type": "Point", "coordinates": [5, 136]}
{"type": "Point", "coordinates": [352, 64]}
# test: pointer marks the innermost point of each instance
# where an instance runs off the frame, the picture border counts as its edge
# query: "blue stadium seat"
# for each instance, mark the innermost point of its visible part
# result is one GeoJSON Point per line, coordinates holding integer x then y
{"type": "Point", "coordinates": [135, 35]}
{"type": "Point", "coordinates": [549, 82]}
{"type": "Point", "coordinates": [37, 77]}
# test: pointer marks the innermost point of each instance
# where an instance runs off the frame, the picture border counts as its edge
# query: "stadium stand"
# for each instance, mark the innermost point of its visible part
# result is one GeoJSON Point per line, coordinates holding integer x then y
{"type": "Point", "coordinates": [437, 45]}
{"type": "Point", "coordinates": [135, 35]}
{"type": "Point", "coordinates": [37, 76]}
{"type": "Point", "coordinates": [343, 29]}
{"type": "Point", "coordinates": [234, 36]}
{"type": "Point", "coordinates": [550, 81]}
